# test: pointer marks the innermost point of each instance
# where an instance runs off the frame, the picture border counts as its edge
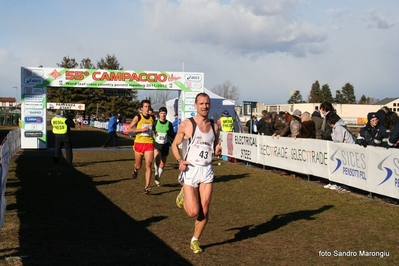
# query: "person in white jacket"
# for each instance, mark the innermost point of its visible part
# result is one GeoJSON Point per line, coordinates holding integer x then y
{"type": "Point", "coordinates": [340, 134]}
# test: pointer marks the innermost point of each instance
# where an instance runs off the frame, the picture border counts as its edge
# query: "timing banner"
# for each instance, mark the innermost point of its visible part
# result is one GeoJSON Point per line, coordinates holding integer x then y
{"type": "Point", "coordinates": [373, 169]}
{"type": "Point", "coordinates": [35, 80]}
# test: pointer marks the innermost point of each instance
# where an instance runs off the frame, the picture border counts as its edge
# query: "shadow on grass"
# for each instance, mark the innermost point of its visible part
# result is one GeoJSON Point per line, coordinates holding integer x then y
{"type": "Point", "coordinates": [63, 215]}
{"type": "Point", "coordinates": [90, 139]}
{"type": "Point", "coordinates": [278, 221]}
{"type": "Point", "coordinates": [227, 178]}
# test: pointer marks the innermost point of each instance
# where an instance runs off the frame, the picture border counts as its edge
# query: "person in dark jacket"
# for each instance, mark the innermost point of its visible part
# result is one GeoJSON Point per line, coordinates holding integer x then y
{"type": "Point", "coordinates": [112, 136]}
{"type": "Point", "coordinates": [281, 125]}
{"type": "Point", "coordinates": [318, 122]}
{"type": "Point", "coordinates": [373, 133]}
{"type": "Point", "coordinates": [326, 110]}
{"type": "Point", "coordinates": [261, 123]}
{"type": "Point", "coordinates": [391, 119]}
{"type": "Point", "coordinates": [308, 129]}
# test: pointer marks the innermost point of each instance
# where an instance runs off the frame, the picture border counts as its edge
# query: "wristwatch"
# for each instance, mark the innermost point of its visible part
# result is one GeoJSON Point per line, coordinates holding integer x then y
{"type": "Point", "coordinates": [178, 160]}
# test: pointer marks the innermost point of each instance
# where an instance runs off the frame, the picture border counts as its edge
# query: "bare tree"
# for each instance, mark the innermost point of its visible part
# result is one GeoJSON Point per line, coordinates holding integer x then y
{"type": "Point", "coordinates": [227, 90]}
{"type": "Point", "coordinates": [160, 96]}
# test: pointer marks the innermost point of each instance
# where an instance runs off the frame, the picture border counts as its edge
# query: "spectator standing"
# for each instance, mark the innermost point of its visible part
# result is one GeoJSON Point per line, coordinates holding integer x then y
{"type": "Point", "coordinates": [176, 123]}
{"type": "Point", "coordinates": [62, 132]}
{"type": "Point", "coordinates": [112, 124]}
{"type": "Point", "coordinates": [261, 123]}
{"type": "Point", "coordinates": [251, 125]}
{"type": "Point", "coordinates": [318, 122]}
{"type": "Point", "coordinates": [79, 121]}
{"type": "Point", "coordinates": [308, 129]}
{"type": "Point", "coordinates": [296, 124]}
{"type": "Point", "coordinates": [390, 121]}
{"type": "Point", "coordinates": [281, 125]}
{"type": "Point", "coordinates": [265, 125]}
{"type": "Point", "coordinates": [326, 110]}
{"type": "Point", "coordinates": [143, 125]}
{"type": "Point", "coordinates": [373, 133]}
{"type": "Point", "coordinates": [226, 122]}
{"type": "Point", "coordinates": [163, 137]}
{"type": "Point", "coordinates": [119, 120]}
{"type": "Point", "coordinates": [339, 132]}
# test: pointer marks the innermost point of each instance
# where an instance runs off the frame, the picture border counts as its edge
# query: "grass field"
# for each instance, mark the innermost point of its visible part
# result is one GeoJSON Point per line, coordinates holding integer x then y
{"type": "Point", "coordinates": [95, 214]}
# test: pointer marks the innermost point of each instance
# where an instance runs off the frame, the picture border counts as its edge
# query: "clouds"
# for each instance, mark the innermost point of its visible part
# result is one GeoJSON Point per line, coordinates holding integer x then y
{"type": "Point", "coordinates": [376, 19]}
{"type": "Point", "coordinates": [264, 47]}
{"type": "Point", "coordinates": [259, 28]}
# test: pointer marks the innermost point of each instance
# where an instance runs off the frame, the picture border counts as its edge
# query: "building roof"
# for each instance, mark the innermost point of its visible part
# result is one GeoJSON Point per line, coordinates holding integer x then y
{"type": "Point", "coordinates": [386, 101]}
{"type": "Point", "coordinates": [7, 99]}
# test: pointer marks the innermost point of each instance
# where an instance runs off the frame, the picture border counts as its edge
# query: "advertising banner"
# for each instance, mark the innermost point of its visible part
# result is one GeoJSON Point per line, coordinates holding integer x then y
{"type": "Point", "coordinates": [373, 169]}
{"type": "Point", "coordinates": [35, 80]}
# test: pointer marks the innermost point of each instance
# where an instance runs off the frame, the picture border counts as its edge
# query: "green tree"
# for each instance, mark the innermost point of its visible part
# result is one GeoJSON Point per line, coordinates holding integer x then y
{"type": "Point", "coordinates": [123, 101]}
{"type": "Point", "coordinates": [97, 101]}
{"type": "Point", "coordinates": [339, 98]}
{"type": "Point", "coordinates": [68, 62]}
{"type": "Point", "coordinates": [348, 93]}
{"type": "Point", "coordinates": [364, 100]}
{"type": "Point", "coordinates": [227, 90]}
{"type": "Point", "coordinates": [86, 64]}
{"type": "Point", "coordinates": [109, 62]}
{"type": "Point", "coordinates": [326, 95]}
{"type": "Point", "coordinates": [296, 97]}
{"type": "Point", "coordinates": [315, 93]}
{"type": "Point", "coordinates": [63, 95]}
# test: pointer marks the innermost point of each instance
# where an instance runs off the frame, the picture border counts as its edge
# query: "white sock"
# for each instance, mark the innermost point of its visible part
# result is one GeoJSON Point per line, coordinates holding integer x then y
{"type": "Point", "coordinates": [160, 171]}
{"type": "Point", "coordinates": [193, 239]}
{"type": "Point", "coordinates": [156, 169]}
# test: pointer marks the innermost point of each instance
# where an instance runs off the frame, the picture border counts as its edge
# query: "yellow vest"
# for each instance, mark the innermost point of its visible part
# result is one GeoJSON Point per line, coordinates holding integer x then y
{"type": "Point", "coordinates": [145, 137]}
{"type": "Point", "coordinates": [227, 124]}
{"type": "Point", "coordinates": [59, 125]}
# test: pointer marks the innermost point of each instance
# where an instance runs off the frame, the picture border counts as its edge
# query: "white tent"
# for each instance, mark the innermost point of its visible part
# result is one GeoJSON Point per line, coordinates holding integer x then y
{"type": "Point", "coordinates": [218, 105]}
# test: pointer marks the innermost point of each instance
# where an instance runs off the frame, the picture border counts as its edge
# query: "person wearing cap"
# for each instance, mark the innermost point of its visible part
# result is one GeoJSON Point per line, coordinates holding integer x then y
{"type": "Point", "coordinates": [162, 139]}
{"type": "Point", "coordinates": [61, 129]}
{"type": "Point", "coordinates": [373, 133]}
{"type": "Point", "coordinates": [296, 124]}
{"type": "Point", "coordinates": [226, 122]}
{"type": "Point", "coordinates": [112, 124]}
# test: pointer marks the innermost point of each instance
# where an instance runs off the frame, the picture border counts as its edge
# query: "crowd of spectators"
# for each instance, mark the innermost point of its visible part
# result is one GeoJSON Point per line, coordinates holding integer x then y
{"type": "Point", "coordinates": [381, 129]}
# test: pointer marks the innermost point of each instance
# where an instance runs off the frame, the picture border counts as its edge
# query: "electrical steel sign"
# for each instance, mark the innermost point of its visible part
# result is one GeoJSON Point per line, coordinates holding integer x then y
{"type": "Point", "coordinates": [35, 80]}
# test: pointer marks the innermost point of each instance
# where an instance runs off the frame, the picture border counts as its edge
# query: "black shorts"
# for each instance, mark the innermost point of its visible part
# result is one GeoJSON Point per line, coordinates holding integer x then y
{"type": "Point", "coordinates": [163, 148]}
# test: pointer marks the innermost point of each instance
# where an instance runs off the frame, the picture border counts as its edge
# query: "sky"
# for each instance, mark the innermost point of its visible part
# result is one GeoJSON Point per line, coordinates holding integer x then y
{"type": "Point", "coordinates": [266, 48]}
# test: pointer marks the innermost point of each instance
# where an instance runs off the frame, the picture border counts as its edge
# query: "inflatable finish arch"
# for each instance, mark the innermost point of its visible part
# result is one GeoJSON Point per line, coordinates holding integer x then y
{"type": "Point", "coordinates": [35, 80]}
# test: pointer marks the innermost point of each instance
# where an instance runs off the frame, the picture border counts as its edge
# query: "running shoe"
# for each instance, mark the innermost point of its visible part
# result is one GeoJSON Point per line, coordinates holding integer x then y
{"type": "Point", "coordinates": [180, 199]}
{"type": "Point", "coordinates": [147, 190]}
{"type": "Point", "coordinates": [135, 174]}
{"type": "Point", "coordinates": [334, 187]}
{"type": "Point", "coordinates": [328, 186]}
{"type": "Point", "coordinates": [194, 245]}
{"type": "Point", "coordinates": [157, 180]}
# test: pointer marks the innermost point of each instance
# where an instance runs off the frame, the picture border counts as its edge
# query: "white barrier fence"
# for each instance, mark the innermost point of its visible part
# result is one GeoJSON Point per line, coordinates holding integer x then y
{"type": "Point", "coordinates": [372, 169]}
{"type": "Point", "coordinates": [9, 147]}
